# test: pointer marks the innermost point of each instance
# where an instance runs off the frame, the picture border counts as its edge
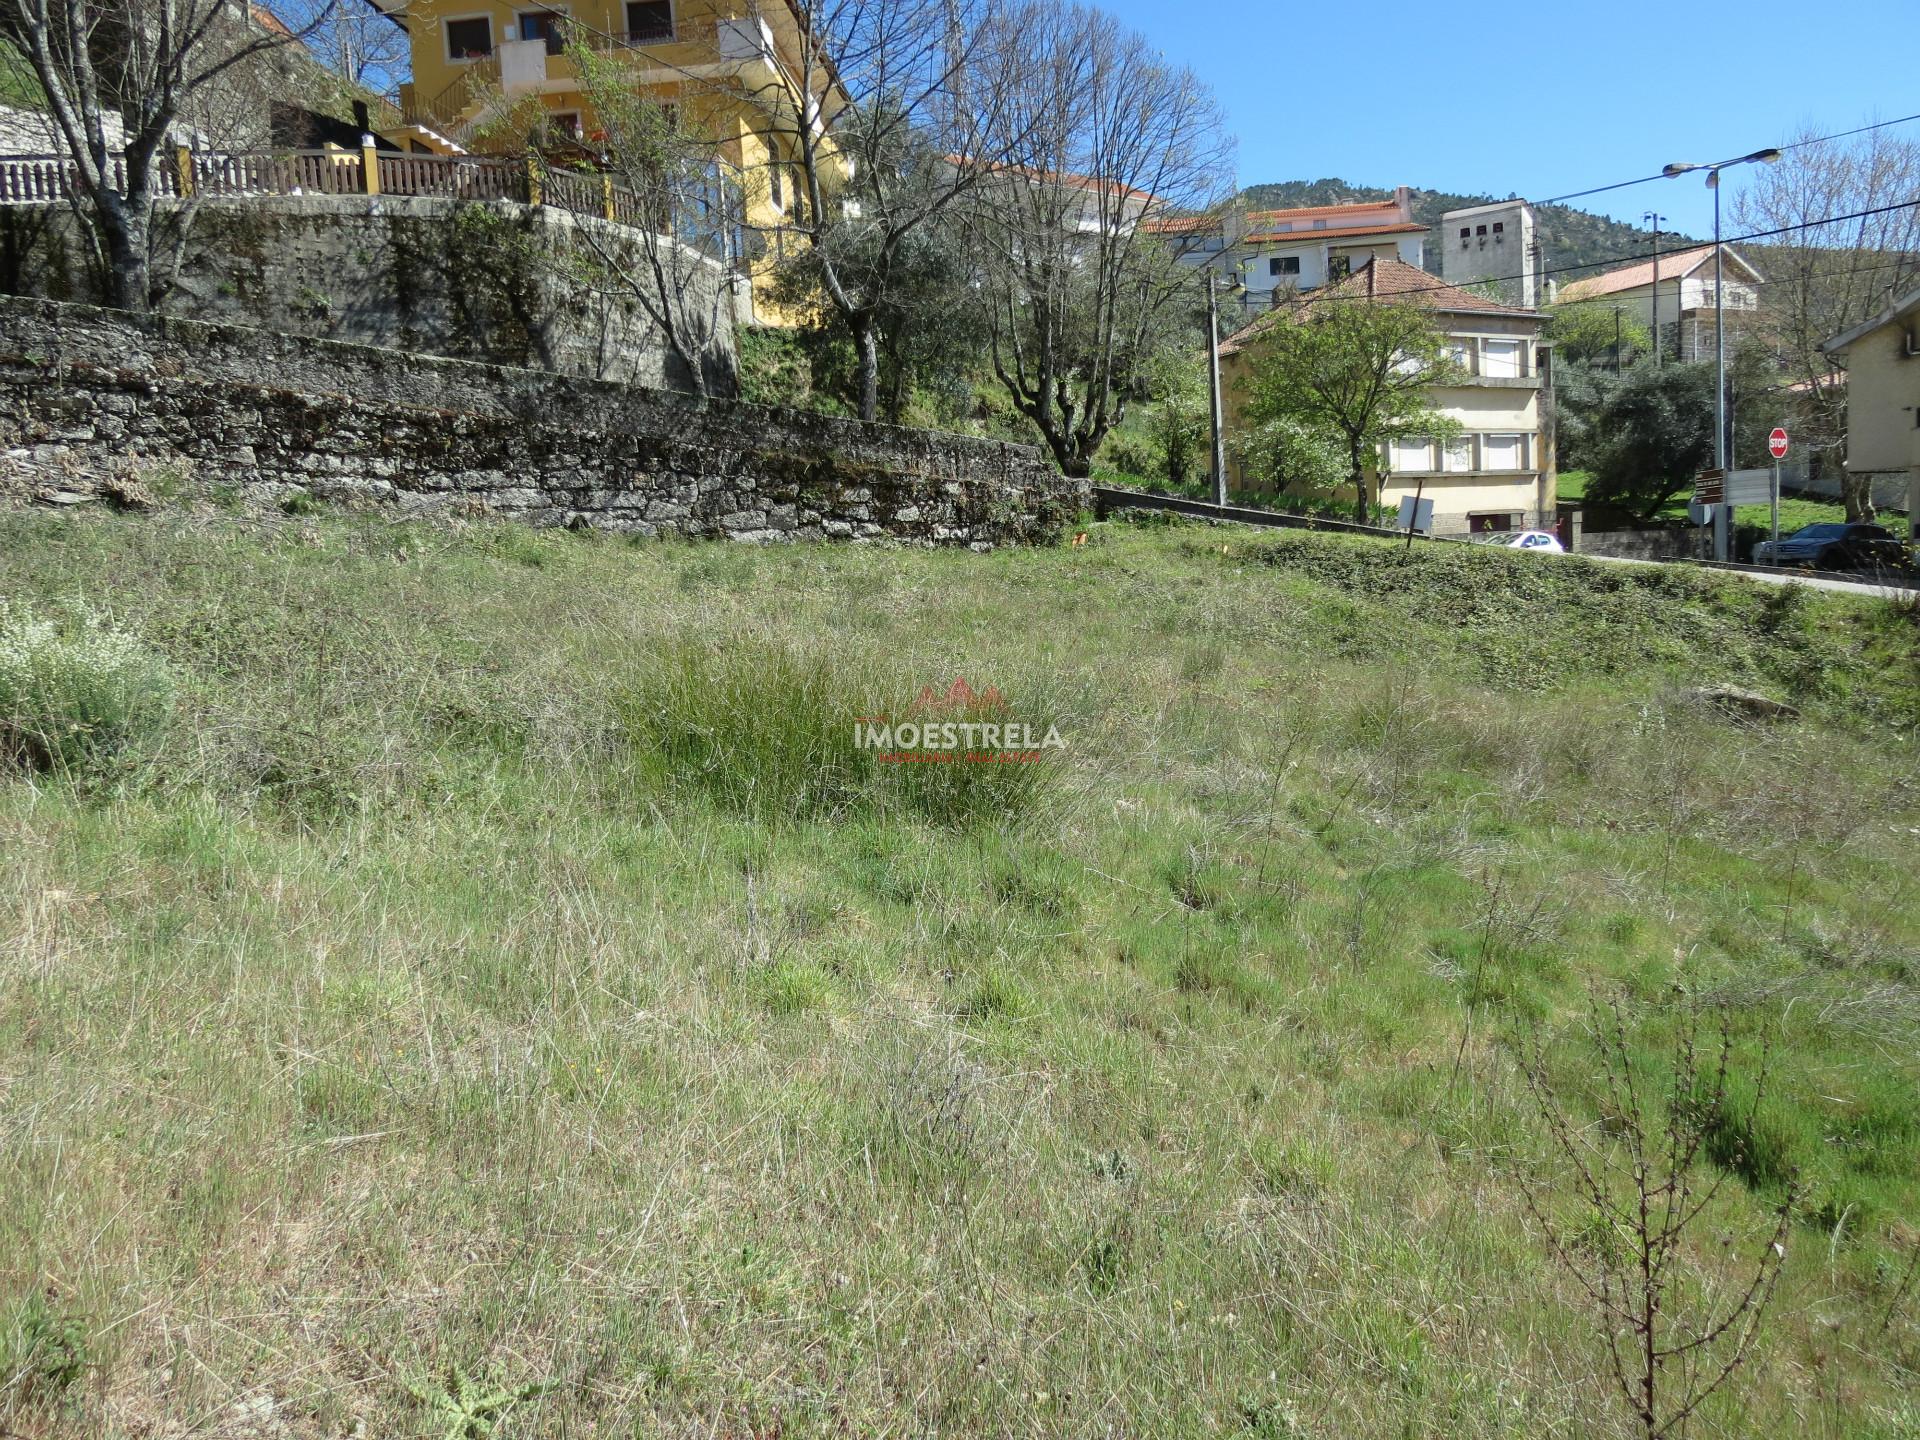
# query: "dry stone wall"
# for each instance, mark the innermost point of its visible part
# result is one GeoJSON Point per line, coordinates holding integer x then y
{"type": "Point", "coordinates": [475, 280]}
{"type": "Point", "coordinates": [86, 395]}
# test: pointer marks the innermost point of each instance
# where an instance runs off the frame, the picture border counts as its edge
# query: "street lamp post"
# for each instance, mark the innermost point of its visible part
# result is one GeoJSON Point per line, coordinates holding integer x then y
{"type": "Point", "coordinates": [1722, 513]}
{"type": "Point", "coordinates": [1219, 448]}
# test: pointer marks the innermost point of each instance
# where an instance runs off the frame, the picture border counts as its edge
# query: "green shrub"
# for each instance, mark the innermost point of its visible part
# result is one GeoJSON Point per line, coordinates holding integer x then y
{"type": "Point", "coordinates": [43, 1351]}
{"type": "Point", "coordinates": [74, 693]}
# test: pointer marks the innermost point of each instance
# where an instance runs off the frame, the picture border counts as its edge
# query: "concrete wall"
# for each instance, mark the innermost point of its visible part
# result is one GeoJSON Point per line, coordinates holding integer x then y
{"type": "Point", "coordinates": [1506, 257]}
{"type": "Point", "coordinates": [89, 397]}
{"type": "Point", "coordinates": [485, 281]}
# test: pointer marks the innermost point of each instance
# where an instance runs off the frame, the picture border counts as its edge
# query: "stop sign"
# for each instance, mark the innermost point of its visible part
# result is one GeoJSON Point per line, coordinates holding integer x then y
{"type": "Point", "coordinates": [1777, 443]}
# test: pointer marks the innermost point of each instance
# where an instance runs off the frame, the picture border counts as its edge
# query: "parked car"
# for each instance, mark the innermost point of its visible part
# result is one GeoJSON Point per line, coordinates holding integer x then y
{"type": "Point", "coordinates": [1832, 545]}
{"type": "Point", "coordinates": [1540, 542]}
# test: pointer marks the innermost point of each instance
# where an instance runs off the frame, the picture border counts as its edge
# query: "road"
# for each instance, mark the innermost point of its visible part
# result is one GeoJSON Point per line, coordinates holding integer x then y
{"type": "Point", "coordinates": [1883, 589]}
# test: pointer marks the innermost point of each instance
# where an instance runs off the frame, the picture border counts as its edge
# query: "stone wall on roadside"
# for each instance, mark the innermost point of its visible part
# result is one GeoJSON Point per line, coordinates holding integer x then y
{"type": "Point", "coordinates": [93, 400]}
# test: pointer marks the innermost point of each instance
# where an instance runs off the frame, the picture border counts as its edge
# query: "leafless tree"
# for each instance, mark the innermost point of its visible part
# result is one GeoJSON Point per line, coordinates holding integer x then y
{"type": "Point", "coordinates": [122, 81]}
{"type": "Point", "coordinates": [887, 114]}
{"type": "Point", "coordinates": [672, 265]}
{"type": "Point", "coordinates": [1823, 278]}
{"type": "Point", "coordinates": [1101, 135]}
{"type": "Point", "coordinates": [1674, 1334]}
{"type": "Point", "coordinates": [355, 41]}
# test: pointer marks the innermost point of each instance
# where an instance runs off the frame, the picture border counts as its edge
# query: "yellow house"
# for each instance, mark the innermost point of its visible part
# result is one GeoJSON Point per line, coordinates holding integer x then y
{"type": "Point", "coordinates": [1882, 356]}
{"type": "Point", "coordinates": [731, 68]}
{"type": "Point", "coordinates": [1499, 474]}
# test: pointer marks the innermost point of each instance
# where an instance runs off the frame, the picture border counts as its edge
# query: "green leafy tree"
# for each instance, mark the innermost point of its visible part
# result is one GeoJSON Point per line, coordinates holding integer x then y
{"type": "Point", "coordinates": [1652, 436]}
{"type": "Point", "coordinates": [927, 336]}
{"type": "Point", "coordinates": [1181, 422]}
{"type": "Point", "coordinates": [1581, 393]}
{"type": "Point", "coordinates": [1356, 373]}
{"type": "Point", "coordinates": [1588, 333]}
{"type": "Point", "coordinates": [1283, 456]}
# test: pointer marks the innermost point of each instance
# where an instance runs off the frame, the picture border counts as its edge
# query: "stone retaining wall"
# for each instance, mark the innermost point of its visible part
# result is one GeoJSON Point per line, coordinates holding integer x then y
{"type": "Point", "coordinates": [475, 280]}
{"type": "Point", "coordinates": [90, 399]}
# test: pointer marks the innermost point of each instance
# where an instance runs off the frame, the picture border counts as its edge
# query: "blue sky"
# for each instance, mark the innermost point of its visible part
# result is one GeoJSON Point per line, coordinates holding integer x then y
{"type": "Point", "coordinates": [1539, 99]}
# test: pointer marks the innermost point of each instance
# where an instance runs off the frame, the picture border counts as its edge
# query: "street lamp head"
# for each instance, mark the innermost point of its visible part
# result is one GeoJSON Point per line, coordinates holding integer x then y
{"type": "Point", "coordinates": [1679, 167]}
{"type": "Point", "coordinates": [1766, 157]}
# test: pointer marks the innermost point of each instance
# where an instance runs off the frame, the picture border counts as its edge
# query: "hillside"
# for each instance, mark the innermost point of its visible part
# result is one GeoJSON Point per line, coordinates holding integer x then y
{"type": "Point", "coordinates": [1569, 237]}
{"type": "Point", "coordinates": [454, 976]}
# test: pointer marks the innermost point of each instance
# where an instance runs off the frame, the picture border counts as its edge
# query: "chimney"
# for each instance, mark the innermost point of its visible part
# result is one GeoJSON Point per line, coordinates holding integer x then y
{"type": "Point", "coordinates": [362, 117]}
{"type": "Point", "coordinates": [1403, 202]}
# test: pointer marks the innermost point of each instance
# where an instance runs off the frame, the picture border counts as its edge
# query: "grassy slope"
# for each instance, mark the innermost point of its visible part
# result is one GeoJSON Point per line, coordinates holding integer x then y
{"type": "Point", "coordinates": [398, 1010]}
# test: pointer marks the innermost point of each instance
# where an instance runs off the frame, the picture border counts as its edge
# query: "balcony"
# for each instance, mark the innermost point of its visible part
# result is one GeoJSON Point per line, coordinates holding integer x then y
{"type": "Point", "coordinates": [698, 47]}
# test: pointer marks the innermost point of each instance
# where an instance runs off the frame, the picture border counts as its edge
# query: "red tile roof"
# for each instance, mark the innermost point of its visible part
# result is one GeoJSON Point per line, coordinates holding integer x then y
{"type": "Point", "coordinates": [1354, 208]}
{"type": "Point", "coordinates": [1282, 237]}
{"type": "Point", "coordinates": [1632, 277]}
{"type": "Point", "coordinates": [1388, 281]}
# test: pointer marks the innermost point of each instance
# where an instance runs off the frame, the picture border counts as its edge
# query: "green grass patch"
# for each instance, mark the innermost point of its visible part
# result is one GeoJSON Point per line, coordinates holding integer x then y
{"type": "Point", "coordinates": [497, 973]}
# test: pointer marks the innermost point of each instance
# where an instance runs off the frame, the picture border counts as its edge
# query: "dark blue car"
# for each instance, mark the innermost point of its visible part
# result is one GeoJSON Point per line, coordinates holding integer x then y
{"type": "Point", "coordinates": [1832, 545]}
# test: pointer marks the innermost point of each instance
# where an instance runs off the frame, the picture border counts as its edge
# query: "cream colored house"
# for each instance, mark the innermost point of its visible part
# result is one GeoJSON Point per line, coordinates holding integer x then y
{"type": "Point", "coordinates": [1499, 474]}
{"type": "Point", "coordinates": [1685, 286]}
{"type": "Point", "coordinates": [1882, 358]}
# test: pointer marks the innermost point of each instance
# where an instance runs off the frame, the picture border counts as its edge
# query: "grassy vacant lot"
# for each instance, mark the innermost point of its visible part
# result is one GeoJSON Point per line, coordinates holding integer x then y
{"type": "Point", "coordinates": [495, 958]}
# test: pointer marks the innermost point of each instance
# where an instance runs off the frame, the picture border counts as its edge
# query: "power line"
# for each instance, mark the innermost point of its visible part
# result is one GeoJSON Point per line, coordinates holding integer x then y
{"type": "Point", "coordinates": [1791, 145]}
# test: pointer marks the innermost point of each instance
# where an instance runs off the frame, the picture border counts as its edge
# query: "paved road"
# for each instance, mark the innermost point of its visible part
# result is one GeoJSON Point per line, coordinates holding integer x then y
{"type": "Point", "coordinates": [1777, 577]}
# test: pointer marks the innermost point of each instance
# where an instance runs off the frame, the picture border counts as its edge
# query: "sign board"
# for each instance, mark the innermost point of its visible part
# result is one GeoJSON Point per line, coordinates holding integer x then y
{"type": "Point", "coordinates": [1777, 443]}
{"type": "Point", "coordinates": [1748, 487]}
{"type": "Point", "coordinates": [1415, 515]}
{"type": "Point", "coordinates": [1699, 514]}
{"type": "Point", "coordinates": [1707, 487]}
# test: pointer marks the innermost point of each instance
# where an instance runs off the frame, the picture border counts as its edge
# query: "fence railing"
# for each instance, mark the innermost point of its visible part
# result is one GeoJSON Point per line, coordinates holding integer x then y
{"type": "Point", "coordinates": [704, 215]}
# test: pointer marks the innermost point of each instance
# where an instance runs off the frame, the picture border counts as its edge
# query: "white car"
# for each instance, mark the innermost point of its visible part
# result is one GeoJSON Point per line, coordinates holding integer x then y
{"type": "Point", "coordinates": [1539, 541]}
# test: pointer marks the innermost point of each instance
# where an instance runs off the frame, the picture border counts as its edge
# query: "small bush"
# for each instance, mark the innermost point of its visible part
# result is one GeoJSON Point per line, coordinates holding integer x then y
{"type": "Point", "coordinates": [74, 694]}
{"type": "Point", "coordinates": [43, 1352]}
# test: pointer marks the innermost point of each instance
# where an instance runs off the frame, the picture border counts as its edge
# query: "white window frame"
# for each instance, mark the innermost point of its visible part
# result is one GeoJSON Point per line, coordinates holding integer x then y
{"type": "Point", "coordinates": [1519, 440]}
{"type": "Point", "coordinates": [446, 38]}
{"type": "Point", "coordinates": [1397, 448]}
{"type": "Point", "coordinates": [1460, 351]}
{"type": "Point", "coordinates": [1457, 458]}
{"type": "Point", "coordinates": [1519, 358]}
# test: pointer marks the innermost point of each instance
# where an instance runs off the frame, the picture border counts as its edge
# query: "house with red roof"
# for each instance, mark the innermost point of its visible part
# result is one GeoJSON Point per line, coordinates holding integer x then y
{"type": "Point", "coordinates": [1267, 254]}
{"type": "Point", "coordinates": [1684, 280]}
{"type": "Point", "coordinates": [1498, 474]}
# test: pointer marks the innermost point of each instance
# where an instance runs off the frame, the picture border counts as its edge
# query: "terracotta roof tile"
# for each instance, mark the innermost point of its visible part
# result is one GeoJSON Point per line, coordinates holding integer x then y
{"type": "Point", "coordinates": [1630, 277]}
{"type": "Point", "coordinates": [1282, 237]}
{"type": "Point", "coordinates": [1392, 281]}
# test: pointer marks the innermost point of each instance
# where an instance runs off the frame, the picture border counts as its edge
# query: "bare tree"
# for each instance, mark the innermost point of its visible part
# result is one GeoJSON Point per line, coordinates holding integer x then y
{"type": "Point", "coordinates": [1100, 134]}
{"type": "Point", "coordinates": [672, 263]}
{"type": "Point", "coordinates": [140, 67]}
{"type": "Point", "coordinates": [1673, 1336]}
{"type": "Point", "coordinates": [357, 42]}
{"type": "Point", "coordinates": [1823, 278]}
{"type": "Point", "coordinates": [883, 116]}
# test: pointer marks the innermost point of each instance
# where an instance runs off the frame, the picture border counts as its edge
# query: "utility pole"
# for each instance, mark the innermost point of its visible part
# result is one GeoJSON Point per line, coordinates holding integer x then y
{"type": "Point", "coordinates": [1723, 512]}
{"type": "Point", "coordinates": [1213, 387]}
{"type": "Point", "coordinates": [1655, 218]}
{"type": "Point", "coordinates": [1616, 339]}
